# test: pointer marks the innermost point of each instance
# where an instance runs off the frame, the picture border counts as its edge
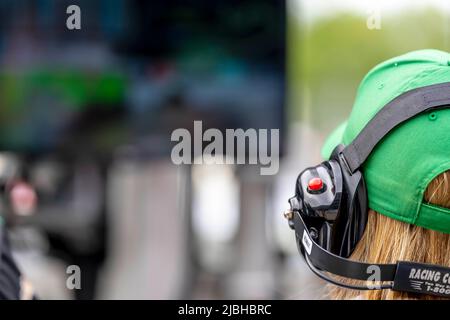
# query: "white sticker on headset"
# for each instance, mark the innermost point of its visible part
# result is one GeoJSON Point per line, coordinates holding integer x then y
{"type": "Point", "coordinates": [306, 241]}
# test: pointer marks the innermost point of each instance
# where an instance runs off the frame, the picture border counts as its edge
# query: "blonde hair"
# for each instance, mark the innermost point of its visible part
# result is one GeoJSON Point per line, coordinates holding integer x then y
{"type": "Point", "coordinates": [386, 240]}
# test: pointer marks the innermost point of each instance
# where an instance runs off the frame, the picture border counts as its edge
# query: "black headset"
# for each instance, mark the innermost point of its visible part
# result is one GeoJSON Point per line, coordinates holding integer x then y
{"type": "Point", "coordinates": [329, 210]}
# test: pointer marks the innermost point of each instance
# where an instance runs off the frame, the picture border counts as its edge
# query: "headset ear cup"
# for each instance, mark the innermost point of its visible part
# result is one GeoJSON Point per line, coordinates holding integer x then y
{"type": "Point", "coordinates": [357, 217]}
{"type": "Point", "coordinates": [362, 212]}
{"type": "Point", "coordinates": [352, 218]}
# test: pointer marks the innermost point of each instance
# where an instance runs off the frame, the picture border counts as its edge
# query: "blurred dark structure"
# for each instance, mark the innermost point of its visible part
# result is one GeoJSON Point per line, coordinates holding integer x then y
{"type": "Point", "coordinates": [73, 100]}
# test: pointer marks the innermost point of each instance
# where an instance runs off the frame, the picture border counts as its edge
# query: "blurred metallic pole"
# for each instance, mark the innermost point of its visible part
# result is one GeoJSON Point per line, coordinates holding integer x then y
{"type": "Point", "coordinates": [253, 275]}
{"type": "Point", "coordinates": [150, 250]}
{"type": "Point", "coordinates": [189, 273]}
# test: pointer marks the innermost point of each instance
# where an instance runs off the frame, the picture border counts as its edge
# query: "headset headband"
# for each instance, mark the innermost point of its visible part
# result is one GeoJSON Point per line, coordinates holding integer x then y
{"type": "Point", "coordinates": [399, 110]}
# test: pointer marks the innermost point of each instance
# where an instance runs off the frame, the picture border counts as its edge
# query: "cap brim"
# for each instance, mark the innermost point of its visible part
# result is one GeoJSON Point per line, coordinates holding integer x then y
{"type": "Point", "coordinates": [333, 140]}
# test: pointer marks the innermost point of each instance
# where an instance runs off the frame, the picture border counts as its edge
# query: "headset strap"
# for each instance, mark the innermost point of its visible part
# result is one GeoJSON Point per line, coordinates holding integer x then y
{"type": "Point", "coordinates": [330, 262]}
{"type": "Point", "coordinates": [400, 109]}
{"type": "Point", "coordinates": [407, 276]}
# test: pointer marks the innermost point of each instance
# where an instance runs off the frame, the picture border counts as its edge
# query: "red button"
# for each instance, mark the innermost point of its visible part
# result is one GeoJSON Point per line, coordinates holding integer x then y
{"type": "Point", "coordinates": [315, 184]}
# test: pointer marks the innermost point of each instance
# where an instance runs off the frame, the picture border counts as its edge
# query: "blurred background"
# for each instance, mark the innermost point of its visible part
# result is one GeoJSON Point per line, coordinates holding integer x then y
{"type": "Point", "coordinates": [86, 117]}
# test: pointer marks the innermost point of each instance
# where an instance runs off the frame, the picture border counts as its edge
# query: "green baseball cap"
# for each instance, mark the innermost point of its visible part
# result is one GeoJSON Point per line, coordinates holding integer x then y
{"type": "Point", "coordinates": [401, 166]}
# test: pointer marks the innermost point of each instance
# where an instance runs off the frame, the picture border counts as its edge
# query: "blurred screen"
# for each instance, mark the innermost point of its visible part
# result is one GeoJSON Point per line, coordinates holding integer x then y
{"type": "Point", "coordinates": [136, 71]}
